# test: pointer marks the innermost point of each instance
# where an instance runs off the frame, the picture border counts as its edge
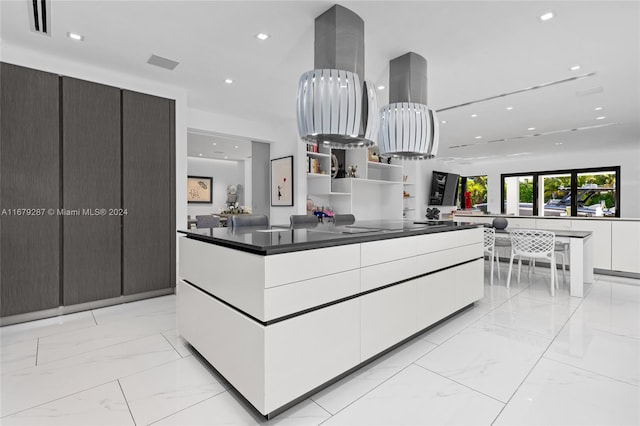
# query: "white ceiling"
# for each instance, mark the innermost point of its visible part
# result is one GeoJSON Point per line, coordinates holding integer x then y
{"type": "Point", "coordinates": [475, 50]}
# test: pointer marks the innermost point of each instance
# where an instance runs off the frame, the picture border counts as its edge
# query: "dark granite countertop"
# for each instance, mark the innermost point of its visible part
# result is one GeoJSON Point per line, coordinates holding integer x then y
{"type": "Point", "coordinates": [282, 239]}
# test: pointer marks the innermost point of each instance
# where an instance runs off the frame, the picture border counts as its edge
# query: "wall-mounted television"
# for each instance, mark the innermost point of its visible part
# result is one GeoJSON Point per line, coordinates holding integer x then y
{"type": "Point", "coordinates": [444, 189]}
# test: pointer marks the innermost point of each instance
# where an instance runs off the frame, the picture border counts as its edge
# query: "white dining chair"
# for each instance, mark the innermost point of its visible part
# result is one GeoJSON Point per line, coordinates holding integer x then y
{"type": "Point", "coordinates": [533, 244]}
{"type": "Point", "coordinates": [490, 249]}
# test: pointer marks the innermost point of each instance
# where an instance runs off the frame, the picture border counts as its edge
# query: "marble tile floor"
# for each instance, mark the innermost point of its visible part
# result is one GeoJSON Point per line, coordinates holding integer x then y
{"type": "Point", "coordinates": [518, 357]}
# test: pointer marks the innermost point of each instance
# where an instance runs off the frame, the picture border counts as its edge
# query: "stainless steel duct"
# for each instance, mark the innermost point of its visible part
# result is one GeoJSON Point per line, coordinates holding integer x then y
{"type": "Point", "coordinates": [408, 128]}
{"type": "Point", "coordinates": [333, 106]}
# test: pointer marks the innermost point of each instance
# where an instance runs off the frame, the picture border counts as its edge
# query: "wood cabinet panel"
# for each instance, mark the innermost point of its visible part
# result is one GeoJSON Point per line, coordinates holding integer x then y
{"type": "Point", "coordinates": [91, 180]}
{"type": "Point", "coordinates": [29, 179]}
{"type": "Point", "coordinates": [149, 229]}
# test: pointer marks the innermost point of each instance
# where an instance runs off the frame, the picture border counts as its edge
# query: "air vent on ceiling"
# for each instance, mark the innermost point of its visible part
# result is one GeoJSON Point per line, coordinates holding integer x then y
{"type": "Point", "coordinates": [40, 16]}
{"type": "Point", "coordinates": [161, 62]}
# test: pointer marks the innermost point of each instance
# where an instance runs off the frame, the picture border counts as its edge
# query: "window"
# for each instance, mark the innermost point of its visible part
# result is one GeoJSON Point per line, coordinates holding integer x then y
{"type": "Point", "coordinates": [578, 192]}
{"type": "Point", "coordinates": [477, 188]}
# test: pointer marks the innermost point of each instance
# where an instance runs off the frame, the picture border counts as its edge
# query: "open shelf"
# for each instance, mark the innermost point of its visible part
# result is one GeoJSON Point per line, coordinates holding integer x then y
{"type": "Point", "coordinates": [375, 181]}
{"type": "Point", "coordinates": [317, 154]}
{"type": "Point", "coordinates": [375, 164]}
{"type": "Point", "coordinates": [317, 176]}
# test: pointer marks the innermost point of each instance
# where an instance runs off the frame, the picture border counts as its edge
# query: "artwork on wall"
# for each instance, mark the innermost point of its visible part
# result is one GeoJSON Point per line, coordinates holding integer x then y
{"type": "Point", "coordinates": [199, 190]}
{"type": "Point", "coordinates": [282, 181]}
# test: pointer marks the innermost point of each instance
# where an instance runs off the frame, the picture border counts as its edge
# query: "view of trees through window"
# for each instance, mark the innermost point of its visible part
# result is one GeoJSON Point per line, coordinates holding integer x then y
{"type": "Point", "coordinates": [477, 188]}
{"type": "Point", "coordinates": [595, 191]}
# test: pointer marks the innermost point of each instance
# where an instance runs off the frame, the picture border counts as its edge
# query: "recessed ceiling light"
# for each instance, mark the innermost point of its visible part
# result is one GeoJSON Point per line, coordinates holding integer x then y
{"type": "Point", "coordinates": [215, 143]}
{"type": "Point", "coordinates": [558, 143]}
{"type": "Point", "coordinates": [236, 147]}
{"type": "Point", "coordinates": [597, 108]}
{"type": "Point", "coordinates": [225, 157]}
{"type": "Point", "coordinates": [380, 87]}
{"type": "Point", "coordinates": [531, 128]}
{"type": "Point", "coordinates": [75, 36]}
{"type": "Point", "coordinates": [574, 68]}
{"type": "Point", "coordinates": [200, 155]}
{"type": "Point", "coordinates": [228, 80]}
{"type": "Point", "coordinates": [444, 122]}
{"type": "Point", "coordinates": [546, 16]}
{"type": "Point", "coordinates": [509, 108]}
{"type": "Point", "coordinates": [262, 36]}
{"type": "Point", "coordinates": [478, 137]}
{"type": "Point", "coordinates": [474, 115]}
{"type": "Point", "coordinates": [601, 118]}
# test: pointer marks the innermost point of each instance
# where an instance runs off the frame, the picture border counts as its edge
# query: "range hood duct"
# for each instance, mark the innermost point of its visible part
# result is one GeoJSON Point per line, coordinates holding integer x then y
{"type": "Point", "coordinates": [333, 107]}
{"type": "Point", "coordinates": [408, 128]}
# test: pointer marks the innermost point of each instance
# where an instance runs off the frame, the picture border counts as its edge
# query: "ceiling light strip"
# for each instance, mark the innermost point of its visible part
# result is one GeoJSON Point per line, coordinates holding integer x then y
{"type": "Point", "coordinates": [553, 132]}
{"type": "Point", "coordinates": [540, 86]}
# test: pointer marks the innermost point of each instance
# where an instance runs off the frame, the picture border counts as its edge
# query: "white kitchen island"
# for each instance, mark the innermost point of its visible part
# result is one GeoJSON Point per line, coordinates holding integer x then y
{"type": "Point", "coordinates": [281, 313]}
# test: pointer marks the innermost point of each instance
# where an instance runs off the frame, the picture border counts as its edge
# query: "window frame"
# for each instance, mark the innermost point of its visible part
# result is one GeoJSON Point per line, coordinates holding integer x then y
{"type": "Point", "coordinates": [574, 186]}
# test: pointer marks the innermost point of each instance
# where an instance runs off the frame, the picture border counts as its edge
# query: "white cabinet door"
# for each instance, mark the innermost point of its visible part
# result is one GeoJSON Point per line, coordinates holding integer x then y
{"type": "Point", "coordinates": [519, 222]}
{"type": "Point", "coordinates": [601, 240]}
{"type": "Point", "coordinates": [554, 224]}
{"type": "Point", "coordinates": [625, 244]}
{"type": "Point", "coordinates": [387, 317]}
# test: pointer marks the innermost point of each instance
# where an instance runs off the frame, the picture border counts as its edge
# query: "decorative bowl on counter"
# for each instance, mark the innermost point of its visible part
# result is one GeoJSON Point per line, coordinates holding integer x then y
{"type": "Point", "coordinates": [500, 223]}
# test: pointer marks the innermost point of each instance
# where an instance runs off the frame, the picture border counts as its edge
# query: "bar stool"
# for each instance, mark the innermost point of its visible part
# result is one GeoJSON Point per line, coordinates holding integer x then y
{"type": "Point", "coordinates": [207, 221]}
{"type": "Point", "coordinates": [533, 244]}
{"type": "Point", "coordinates": [303, 221]}
{"type": "Point", "coordinates": [242, 220]}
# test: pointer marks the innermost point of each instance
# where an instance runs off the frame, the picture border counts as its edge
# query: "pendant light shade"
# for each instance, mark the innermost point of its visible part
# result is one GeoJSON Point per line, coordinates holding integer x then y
{"type": "Point", "coordinates": [408, 130]}
{"type": "Point", "coordinates": [408, 127]}
{"type": "Point", "coordinates": [334, 107]}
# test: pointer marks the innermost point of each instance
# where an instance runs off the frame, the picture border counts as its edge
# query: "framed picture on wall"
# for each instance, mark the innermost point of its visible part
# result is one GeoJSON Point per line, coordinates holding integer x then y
{"type": "Point", "coordinates": [199, 190]}
{"type": "Point", "coordinates": [282, 181]}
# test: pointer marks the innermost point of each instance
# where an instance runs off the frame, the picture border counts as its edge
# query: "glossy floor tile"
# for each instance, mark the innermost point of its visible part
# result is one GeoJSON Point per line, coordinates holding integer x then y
{"type": "Point", "coordinates": [227, 409]}
{"type": "Point", "coordinates": [416, 396]}
{"type": "Point", "coordinates": [102, 405]}
{"type": "Point", "coordinates": [518, 356]}
{"type": "Point", "coordinates": [339, 395]}
{"type": "Point", "coordinates": [18, 355]}
{"type": "Point", "coordinates": [33, 386]}
{"type": "Point", "coordinates": [168, 388]}
{"type": "Point", "coordinates": [64, 345]}
{"type": "Point", "coordinates": [488, 357]}
{"type": "Point", "coordinates": [559, 394]}
{"type": "Point", "coordinates": [46, 327]}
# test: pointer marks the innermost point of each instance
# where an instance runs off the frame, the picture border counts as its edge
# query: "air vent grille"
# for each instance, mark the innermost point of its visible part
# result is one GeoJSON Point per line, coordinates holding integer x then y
{"type": "Point", "coordinates": [40, 16]}
{"type": "Point", "coordinates": [161, 62]}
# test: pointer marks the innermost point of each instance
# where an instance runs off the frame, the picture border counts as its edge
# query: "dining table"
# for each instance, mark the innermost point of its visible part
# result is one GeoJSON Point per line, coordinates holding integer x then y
{"type": "Point", "coordinates": [580, 256]}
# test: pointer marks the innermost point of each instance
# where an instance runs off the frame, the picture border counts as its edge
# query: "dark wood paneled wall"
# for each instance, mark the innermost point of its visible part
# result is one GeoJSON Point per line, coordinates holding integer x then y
{"type": "Point", "coordinates": [91, 181]}
{"type": "Point", "coordinates": [148, 142]}
{"type": "Point", "coordinates": [29, 178]}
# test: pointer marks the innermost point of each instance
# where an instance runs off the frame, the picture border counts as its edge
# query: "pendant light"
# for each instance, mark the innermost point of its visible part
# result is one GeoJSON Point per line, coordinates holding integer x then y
{"type": "Point", "coordinates": [408, 127]}
{"type": "Point", "coordinates": [333, 107]}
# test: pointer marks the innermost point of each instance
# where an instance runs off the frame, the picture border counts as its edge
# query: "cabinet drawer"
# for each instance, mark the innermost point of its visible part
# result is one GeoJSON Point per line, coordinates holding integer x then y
{"type": "Point", "coordinates": [303, 265]}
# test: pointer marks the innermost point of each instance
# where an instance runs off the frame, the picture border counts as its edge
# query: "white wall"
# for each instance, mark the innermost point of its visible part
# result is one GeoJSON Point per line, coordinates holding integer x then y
{"type": "Point", "coordinates": [283, 139]}
{"type": "Point", "coordinates": [289, 143]}
{"type": "Point", "coordinates": [628, 160]}
{"type": "Point", "coordinates": [224, 173]}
